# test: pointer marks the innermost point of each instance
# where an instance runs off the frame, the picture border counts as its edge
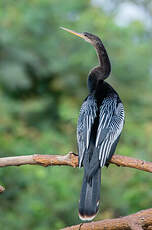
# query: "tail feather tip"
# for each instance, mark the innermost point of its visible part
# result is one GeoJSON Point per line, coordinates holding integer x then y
{"type": "Point", "coordinates": [86, 218]}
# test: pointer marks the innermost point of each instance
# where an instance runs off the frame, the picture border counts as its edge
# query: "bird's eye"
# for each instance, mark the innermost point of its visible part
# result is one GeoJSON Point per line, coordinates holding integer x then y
{"type": "Point", "coordinates": [85, 34]}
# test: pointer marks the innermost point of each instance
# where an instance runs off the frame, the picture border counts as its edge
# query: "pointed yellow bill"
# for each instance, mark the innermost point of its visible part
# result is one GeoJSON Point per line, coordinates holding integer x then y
{"type": "Point", "coordinates": [73, 32]}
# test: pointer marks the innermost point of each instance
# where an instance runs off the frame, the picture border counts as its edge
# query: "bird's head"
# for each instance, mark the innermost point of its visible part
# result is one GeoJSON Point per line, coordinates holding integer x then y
{"type": "Point", "coordinates": [85, 35]}
{"type": "Point", "coordinates": [104, 68]}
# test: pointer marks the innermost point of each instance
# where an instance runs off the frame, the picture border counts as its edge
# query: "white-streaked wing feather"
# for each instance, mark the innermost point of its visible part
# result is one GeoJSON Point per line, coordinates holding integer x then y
{"type": "Point", "coordinates": [110, 126]}
{"type": "Point", "coordinates": [86, 119]}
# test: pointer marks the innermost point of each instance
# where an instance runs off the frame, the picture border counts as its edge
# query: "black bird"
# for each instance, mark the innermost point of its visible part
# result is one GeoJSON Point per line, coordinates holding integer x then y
{"type": "Point", "coordinates": [99, 127]}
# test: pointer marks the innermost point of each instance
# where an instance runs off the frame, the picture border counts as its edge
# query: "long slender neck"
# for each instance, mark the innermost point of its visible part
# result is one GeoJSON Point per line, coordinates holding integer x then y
{"type": "Point", "coordinates": [98, 74]}
{"type": "Point", "coordinates": [103, 59]}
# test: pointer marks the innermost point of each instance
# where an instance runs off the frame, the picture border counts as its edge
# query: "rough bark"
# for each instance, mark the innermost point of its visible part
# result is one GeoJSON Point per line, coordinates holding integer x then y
{"type": "Point", "coordinates": [71, 159]}
{"type": "Point", "coordinates": [138, 221]}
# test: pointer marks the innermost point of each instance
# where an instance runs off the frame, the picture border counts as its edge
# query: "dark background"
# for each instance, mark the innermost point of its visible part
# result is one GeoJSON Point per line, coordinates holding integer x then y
{"type": "Point", "coordinates": [43, 73]}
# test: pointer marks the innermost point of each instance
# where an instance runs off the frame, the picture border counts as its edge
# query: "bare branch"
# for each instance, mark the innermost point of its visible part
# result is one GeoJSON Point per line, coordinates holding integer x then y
{"type": "Point", "coordinates": [137, 221]}
{"type": "Point", "coordinates": [131, 163]}
{"type": "Point", "coordinates": [71, 159]}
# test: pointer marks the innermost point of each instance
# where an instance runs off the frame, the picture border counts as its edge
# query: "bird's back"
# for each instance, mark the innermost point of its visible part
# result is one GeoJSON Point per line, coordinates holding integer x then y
{"type": "Point", "coordinates": [100, 123]}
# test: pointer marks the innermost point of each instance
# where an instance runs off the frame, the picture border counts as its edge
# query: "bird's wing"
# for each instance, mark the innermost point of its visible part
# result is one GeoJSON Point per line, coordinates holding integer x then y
{"type": "Point", "coordinates": [110, 126]}
{"type": "Point", "coordinates": [88, 113]}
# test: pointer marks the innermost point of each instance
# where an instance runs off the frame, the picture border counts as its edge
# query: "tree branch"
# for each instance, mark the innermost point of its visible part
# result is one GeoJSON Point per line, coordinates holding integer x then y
{"type": "Point", "coordinates": [137, 221]}
{"type": "Point", "coordinates": [71, 159]}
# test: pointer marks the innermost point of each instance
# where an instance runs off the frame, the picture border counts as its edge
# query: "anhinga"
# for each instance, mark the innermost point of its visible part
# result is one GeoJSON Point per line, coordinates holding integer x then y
{"type": "Point", "coordinates": [99, 127]}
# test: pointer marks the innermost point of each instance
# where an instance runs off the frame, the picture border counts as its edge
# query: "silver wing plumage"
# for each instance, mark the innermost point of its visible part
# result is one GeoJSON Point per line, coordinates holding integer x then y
{"type": "Point", "coordinates": [110, 126]}
{"type": "Point", "coordinates": [111, 120]}
{"type": "Point", "coordinates": [88, 113]}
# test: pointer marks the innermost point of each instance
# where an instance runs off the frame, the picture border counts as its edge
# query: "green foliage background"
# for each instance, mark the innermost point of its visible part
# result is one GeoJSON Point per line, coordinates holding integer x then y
{"type": "Point", "coordinates": [43, 73]}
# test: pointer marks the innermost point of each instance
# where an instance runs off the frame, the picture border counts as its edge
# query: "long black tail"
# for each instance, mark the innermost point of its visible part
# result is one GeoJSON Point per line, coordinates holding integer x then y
{"type": "Point", "coordinates": [90, 196]}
